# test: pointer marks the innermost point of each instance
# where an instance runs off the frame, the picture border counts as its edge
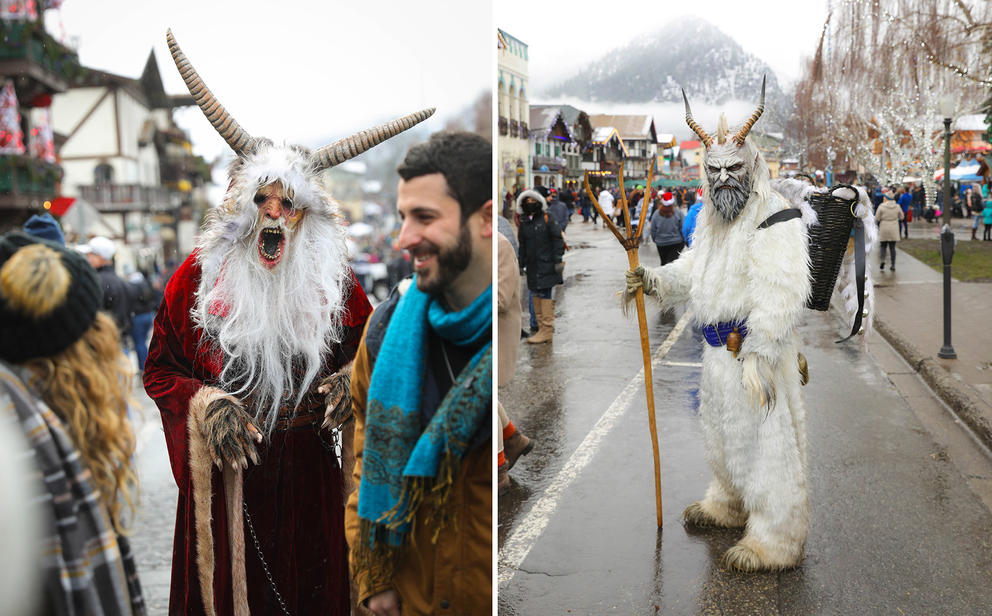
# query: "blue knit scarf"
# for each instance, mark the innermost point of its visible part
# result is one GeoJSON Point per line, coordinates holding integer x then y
{"type": "Point", "coordinates": [403, 461]}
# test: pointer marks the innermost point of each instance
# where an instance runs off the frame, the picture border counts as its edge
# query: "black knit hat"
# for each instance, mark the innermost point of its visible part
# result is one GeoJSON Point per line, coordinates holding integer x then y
{"type": "Point", "coordinates": [24, 336]}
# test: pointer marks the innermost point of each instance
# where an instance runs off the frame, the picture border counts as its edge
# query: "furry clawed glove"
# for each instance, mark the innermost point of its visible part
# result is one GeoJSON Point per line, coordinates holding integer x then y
{"type": "Point", "coordinates": [639, 277]}
{"type": "Point", "coordinates": [758, 380]}
{"type": "Point", "coordinates": [231, 433]}
{"type": "Point", "coordinates": [337, 388]}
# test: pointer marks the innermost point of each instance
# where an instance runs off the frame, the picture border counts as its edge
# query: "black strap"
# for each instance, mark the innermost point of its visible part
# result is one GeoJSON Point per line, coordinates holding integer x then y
{"type": "Point", "coordinates": [859, 275]}
{"type": "Point", "coordinates": [781, 216]}
{"type": "Point", "coordinates": [859, 259]}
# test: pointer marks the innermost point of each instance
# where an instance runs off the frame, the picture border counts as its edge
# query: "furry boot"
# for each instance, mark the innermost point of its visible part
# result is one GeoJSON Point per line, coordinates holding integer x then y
{"type": "Point", "coordinates": [718, 508]}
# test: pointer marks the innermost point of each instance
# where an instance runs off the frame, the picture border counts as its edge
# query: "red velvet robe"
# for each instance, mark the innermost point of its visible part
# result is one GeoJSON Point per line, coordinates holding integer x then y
{"type": "Point", "coordinates": [293, 495]}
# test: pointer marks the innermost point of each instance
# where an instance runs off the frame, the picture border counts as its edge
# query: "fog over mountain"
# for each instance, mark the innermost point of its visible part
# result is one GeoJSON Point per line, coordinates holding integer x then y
{"type": "Point", "coordinates": [650, 72]}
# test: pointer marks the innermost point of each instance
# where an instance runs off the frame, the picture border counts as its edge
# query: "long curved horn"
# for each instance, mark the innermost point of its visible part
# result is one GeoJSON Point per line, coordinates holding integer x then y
{"type": "Point", "coordinates": [696, 128]}
{"type": "Point", "coordinates": [235, 136]}
{"type": "Point", "coordinates": [742, 133]}
{"type": "Point", "coordinates": [350, 147]}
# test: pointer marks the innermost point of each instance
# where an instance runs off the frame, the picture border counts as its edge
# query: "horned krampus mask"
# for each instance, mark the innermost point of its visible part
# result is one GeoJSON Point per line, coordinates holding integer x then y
{"type": "Point", "coordinates": [275, 281]}
{"type": "Point", "coordinates": [272, 187]}
{"type": "Point", "coordinates": [727, 163]}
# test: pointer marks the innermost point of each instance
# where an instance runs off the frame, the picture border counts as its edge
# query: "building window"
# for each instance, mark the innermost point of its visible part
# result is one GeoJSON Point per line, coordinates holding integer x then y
{"type": "Point", "coordinates": [103, 174]}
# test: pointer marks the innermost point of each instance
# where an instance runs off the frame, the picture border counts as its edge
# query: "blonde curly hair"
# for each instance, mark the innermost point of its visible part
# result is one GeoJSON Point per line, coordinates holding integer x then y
{"type": "Point", "coordinates": [86, 386]}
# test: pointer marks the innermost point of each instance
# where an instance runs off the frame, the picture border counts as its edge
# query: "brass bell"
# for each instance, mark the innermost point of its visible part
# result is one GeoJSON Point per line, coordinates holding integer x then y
{"type": "Point", "coordinates": [803, 370]}
{"type": "Point", "coordinates": [734, 341]}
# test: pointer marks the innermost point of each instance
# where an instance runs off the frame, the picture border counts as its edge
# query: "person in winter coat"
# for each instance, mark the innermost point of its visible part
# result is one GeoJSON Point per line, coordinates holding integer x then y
{"type": "Point", "coordinates": [606, 203]}
{"type": "Point", "coordinates": [689, 224]}
{"type": "Point", "coordinates": [905, 200]}
{"type": "Point", "coordinates": [64, 381]}
{"type": "Point", "coordinates": [146, 301]}
{"type": "Point", "coordinates": [541, 251]}
{"type": "Point", "coordinates": [888, 215]}
{"type": "Point", "coordinates": [585, 207]}
{"type": "Point", "coordinates": [118, 295]}
{"type": "Point", "coordinates": [558, 209]}
{"type": "Point", "coordinates": [666, 228]}
{"type": "Point", "coordinates": [511, 442]}
{"type": "Point", "coordinates": [987, 219]}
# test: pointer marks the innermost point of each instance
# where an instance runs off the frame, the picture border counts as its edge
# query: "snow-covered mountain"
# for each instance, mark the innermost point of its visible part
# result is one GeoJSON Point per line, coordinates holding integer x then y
{"type": "Point", "coordinates": [688, 53]}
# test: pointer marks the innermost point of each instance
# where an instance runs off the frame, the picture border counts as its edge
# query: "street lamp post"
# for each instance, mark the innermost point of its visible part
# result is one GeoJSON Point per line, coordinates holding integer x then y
{"type": "Point", "coordinates": [946, 235]}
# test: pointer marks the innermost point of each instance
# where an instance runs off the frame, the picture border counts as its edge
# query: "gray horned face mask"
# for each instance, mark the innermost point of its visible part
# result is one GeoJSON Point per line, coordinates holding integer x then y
{"type": "Point", "coordinates": [727, 171]}
{"type": "Point", "coordinates": [729, 179]}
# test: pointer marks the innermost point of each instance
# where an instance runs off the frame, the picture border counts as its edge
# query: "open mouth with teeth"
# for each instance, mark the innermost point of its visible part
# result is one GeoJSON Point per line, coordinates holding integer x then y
{"type": "Point", "coordinates": [270, 244]}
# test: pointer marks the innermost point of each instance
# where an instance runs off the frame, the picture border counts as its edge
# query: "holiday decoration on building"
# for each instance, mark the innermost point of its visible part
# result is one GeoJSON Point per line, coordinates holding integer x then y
{"type": "Point", "coordinates": [11, 135]}
{"type": "Point", "coordinates": [41, 142]}
{"type": "Point", "coordinates": [19, 10]}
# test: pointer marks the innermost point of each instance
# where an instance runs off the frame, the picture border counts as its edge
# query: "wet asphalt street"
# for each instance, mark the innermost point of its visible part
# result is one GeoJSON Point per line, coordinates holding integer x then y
{"type": "Point", "coordinates": [900, 494]}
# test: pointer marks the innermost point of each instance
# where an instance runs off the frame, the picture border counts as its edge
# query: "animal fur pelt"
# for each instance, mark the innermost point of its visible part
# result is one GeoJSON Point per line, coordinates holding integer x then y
{"type": "Point", "coordinates": [202, 477]}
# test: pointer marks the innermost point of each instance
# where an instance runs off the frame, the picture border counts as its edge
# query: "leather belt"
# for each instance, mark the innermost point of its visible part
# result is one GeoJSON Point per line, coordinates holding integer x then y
{"type": "Point", "coordinates": [303, 419]}
{"type": "Point", "coordinates": [309, 412]}
{"type": "Point", "coordinates": [716, 335]}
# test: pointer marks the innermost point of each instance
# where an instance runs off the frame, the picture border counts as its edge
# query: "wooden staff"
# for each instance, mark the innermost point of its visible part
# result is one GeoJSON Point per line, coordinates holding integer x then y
{"type": "Point", "coordinates": [630, 243]}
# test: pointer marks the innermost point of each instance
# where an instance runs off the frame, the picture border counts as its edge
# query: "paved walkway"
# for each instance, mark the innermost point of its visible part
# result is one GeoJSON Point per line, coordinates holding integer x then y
{"type": "Point", "coordinates": [909, 314]}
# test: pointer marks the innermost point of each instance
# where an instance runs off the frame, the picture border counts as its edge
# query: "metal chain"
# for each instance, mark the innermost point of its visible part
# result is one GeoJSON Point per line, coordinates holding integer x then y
{"type": "Point", "coordinates": [265, 567]}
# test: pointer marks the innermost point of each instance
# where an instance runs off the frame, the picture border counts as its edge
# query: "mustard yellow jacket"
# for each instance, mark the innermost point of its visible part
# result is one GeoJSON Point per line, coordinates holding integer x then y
{"type": "Point", "coordinates": [452, 575]}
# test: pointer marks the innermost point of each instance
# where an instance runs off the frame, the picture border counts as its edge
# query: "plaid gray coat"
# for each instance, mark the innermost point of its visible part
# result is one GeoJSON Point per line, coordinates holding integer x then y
{"type": "Point", "coordinates": [87, 568]}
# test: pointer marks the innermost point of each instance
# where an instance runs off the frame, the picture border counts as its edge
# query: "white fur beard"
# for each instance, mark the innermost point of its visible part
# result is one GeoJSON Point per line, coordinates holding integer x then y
{"type": "Point", "coordinates": [275, 319]}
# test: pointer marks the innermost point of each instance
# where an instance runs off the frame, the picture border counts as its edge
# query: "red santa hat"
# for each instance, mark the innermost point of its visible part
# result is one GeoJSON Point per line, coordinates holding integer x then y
{"type": "Point", "coordinates": [667, 198]}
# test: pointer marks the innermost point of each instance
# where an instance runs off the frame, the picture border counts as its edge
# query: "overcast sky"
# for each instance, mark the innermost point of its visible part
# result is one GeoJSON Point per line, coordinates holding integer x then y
{"type": "Point", "coordinates": [302, 71]}
{"type": "Point", "coordinates": [562, 37]}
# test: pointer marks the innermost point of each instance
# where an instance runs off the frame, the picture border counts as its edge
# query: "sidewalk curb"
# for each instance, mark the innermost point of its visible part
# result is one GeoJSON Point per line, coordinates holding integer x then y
{"type": "Point", "coordinates": [970, 408]}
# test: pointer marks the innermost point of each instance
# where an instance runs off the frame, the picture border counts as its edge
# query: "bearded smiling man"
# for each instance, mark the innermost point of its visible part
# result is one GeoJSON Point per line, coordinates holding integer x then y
{"type": "Point", "coordinates": [419, 525]}
{"type": "Point", "coordinates": [250, 367]}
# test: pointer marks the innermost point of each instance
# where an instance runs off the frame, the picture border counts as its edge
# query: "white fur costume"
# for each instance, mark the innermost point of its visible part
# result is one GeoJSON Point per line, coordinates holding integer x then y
{"type": "Point", "coordinates": [753, 418]}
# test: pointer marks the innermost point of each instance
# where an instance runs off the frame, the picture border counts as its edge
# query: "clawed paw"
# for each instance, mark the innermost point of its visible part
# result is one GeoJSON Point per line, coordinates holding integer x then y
{"type": "Point", "coordinates": [749, 556]}
{"type": "Point", "coordinates": [337, 389]}
{"type": "Point", "coordinates": [231, 434]}
{"type": "Point", "coordinates": [696, 515]}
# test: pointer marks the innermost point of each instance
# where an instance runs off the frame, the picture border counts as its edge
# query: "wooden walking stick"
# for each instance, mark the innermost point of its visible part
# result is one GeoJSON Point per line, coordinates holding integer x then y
{"type": "Point", "coordinates": [630, 242]}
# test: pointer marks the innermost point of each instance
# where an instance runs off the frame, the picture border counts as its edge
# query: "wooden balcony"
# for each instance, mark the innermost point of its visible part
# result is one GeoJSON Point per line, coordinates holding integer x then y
{"type": "Point", "coordinates": [27, 182]}
{"type": "Point", "coordinates": [130, 198]}
{"type": "Point", "coordinates": [39, 63]}
{"type": "Point", "coordinates": [547, 164]}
